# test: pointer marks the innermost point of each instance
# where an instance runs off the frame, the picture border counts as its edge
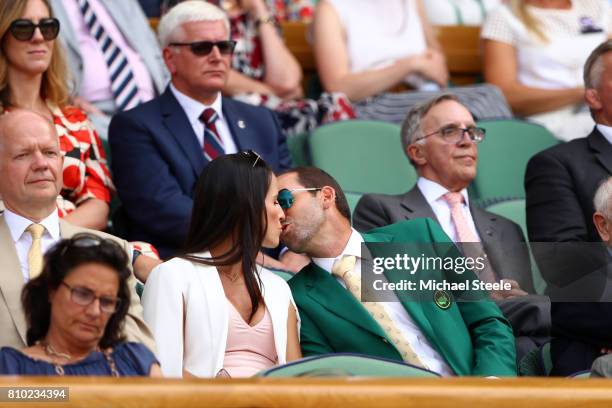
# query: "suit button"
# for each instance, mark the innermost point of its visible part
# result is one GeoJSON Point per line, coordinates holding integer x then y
{"type": "Point", "coordinates": [384, 340]}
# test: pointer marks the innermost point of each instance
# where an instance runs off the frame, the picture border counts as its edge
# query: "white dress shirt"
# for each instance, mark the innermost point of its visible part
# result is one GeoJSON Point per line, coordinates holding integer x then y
{"type": "Point", "coordinates": [193, 109]}
{"type": "Point", "coordinates": [433, 193]}
{"type": "Point", "coordinates": [23, 239]}
{"type": "Point", "coordinates": [419, 343]}
{"type": "Point", "coordinates": [606, 131]}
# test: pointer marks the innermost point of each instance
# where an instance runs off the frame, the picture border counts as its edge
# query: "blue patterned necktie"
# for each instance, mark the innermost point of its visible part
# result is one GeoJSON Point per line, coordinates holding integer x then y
{"type": "Point", "coordinates": [123, 83]}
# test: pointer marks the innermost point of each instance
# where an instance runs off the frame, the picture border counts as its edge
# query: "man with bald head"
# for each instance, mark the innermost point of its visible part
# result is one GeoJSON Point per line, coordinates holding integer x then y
{"type": "Point", "coordinates": [30, 181]}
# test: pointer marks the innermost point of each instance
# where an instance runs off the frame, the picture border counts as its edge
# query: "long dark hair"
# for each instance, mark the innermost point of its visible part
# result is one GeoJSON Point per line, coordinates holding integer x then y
{"type": "Point", "coordinates": [229, 201]}
{"type": "Point", "coordinates": [59, 261]}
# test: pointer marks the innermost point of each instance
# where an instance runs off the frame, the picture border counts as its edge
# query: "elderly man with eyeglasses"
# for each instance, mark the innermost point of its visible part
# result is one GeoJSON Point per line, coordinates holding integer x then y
{"type": "Point", "coordinates": [160, 147]}
{"type": "Point", "coordinates": [441, 141]}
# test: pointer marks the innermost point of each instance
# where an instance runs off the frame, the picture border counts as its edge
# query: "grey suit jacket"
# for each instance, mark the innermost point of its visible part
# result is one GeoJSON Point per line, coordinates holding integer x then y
{"type": "Point", "coordinates": [132, 23]}
{"type": "Point", "coordinates": [498, 234]}
{"type": "Point", "coordinates": [13, 325]}
{"type": "Point", "coordinates": [502, 240]}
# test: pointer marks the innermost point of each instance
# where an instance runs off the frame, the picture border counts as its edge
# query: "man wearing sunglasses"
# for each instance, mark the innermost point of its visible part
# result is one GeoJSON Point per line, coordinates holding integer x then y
{"type": "Point", "coordinates": [160, 148]}
{"type": "Point", "coordinates": [462, 338]}
{"type": "Point", "coordinates": [98, 81]}
{"type": "Point", "coordinates": [30, 182]}
{"type": "Point", "coordinates": [441, 140]}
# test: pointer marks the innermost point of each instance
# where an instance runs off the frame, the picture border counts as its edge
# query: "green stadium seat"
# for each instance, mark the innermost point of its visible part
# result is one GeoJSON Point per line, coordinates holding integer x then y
{"type": "Point", "coordinates": [503, 157]}
{"type": "Point", "coordinates": [352, 198]}
{"type": "Point", "coordinates": [346, 365]}
{"type": "Point", "coordinates": [514, 209]}
{"type": "Point", "coordinates": [363, 156]}
{"type": "Point", "coordinates": [298, 149]}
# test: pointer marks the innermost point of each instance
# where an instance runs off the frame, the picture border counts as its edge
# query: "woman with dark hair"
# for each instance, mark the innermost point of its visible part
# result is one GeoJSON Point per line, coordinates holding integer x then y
{"type": "Point", "coordinates": [74, 310]}
{"type": "Point", "coordinates": [213, 311]}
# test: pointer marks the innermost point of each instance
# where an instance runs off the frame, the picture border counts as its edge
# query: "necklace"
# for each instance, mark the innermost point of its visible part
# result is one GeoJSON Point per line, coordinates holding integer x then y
{"type": "Point", "coordinates": [59, 368]}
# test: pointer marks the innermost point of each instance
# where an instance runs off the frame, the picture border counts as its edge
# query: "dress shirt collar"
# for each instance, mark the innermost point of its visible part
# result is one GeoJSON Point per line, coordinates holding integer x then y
{"type": "Point", "coordinates": [433, 191]}
{"type": "Point", "coordinates": [606, 131]}
{"type": "Point", "coordinates": [194, 108]}
{"type": "Point", "coordinates": [18, 224]}
{"type": "Point", "coordinates": [353, 247]}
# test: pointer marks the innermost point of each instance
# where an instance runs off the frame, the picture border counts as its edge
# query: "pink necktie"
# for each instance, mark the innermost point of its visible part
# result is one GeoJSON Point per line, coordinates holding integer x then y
{"type": "Point", "coordinates": [466, 234]}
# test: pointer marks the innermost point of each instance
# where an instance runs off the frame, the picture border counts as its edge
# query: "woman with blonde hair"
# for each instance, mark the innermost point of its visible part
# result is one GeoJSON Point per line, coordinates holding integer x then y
{"type": "Point", "coordinates": [33, 76]}
{"type": "Point", "coordinates": [535, 50]}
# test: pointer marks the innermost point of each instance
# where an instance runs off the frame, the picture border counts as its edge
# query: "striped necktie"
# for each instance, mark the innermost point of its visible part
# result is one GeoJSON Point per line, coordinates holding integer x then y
{"type": "Point", "coordinates": [123, 83]}
{"type": "Point", "coordinates": [213, 145]}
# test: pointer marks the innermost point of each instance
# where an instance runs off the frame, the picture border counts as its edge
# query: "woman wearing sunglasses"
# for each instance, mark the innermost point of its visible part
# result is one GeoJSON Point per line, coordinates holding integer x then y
{"type": "Point", "coordinates": [213, 311]}
{"type": "Point", "coordinates": [33, 76]}
{"type": "Point", "coordinates": [74, 311]}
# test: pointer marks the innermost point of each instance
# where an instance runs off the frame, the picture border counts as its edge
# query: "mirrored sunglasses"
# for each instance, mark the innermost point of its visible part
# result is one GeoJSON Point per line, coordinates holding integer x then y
{"type": "Point", "coordinates": [286, 199]}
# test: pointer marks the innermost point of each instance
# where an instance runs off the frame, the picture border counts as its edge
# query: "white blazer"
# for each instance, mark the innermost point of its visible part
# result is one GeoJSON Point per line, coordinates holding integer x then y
{"type": "Point", "coordinates": [197, 343]}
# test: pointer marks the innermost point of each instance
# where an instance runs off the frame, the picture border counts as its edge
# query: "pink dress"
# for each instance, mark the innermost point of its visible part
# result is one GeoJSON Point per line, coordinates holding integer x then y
{"type": "Point", "coordinates": [249, 349]}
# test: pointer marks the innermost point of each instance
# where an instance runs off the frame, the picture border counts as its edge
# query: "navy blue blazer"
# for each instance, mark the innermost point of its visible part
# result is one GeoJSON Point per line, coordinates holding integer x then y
{"type": "Point", "coordinates": [157, 159]}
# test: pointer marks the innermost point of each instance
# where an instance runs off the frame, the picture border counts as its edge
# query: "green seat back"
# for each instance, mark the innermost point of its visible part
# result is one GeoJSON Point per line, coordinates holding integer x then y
{"type": "Point", "coordinates": [503, 156]}
{"type": "Point", "coordinates": [546, 358]}
{"type": "Point", "coordinates": [286, 275]}
{"type": "Point", "coordinates": [363, 156]}
{"type": "Point", "coordinates": [514, 209]}
{"type": "Point", "coordinates": [345, 364]}
{"type": "Point", "coordinates": [298, 149]}
{"type": "Point", "coordinates": [353, 199]}
{"type": "Point", "coordinates": [529, 365]}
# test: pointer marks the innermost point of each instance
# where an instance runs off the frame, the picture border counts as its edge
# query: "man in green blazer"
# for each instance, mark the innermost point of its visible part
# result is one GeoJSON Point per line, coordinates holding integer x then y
{"type": "Point", "coordinates": [465, 338]}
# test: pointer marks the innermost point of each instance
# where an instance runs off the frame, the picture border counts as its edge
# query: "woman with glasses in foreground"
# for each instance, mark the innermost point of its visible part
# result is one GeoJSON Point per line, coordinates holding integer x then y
{"type": "Point", "coordinates": [213, 311]}
{"type": "Point", "coordinates": [74, 310]}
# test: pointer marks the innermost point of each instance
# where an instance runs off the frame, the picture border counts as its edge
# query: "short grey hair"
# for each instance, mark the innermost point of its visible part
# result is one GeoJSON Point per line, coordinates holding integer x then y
{"type": "Point", "coordinates": [186, 12]}
{"type": "Point", "coordinates": [411, 127]}
{"type": "Point", "coordinates": [594, 67]}
{"type": "Point", "coordinates": [603, 195]}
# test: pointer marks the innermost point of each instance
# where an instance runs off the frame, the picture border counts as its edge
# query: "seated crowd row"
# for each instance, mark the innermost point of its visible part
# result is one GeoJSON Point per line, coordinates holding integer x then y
{"type": "Point", "coordinates": [191, 183]}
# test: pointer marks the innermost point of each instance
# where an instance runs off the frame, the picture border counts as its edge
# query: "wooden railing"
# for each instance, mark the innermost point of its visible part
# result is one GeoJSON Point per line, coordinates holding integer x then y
{"type": "Point", "coordinates": [319, 392]}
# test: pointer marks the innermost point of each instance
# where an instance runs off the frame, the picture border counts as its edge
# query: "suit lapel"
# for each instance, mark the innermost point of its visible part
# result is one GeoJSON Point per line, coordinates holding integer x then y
{"type": "Point", "coordinates": [417, 205]}
{"type": "Point", "coordinates": [603, 149]}
{"type": "Point", "coordinates": [413, 307]}
{"type": "Point", "coordinates": [178, 125]}
{"type": "Point", "coordinates": [238, 126]}
{"type": "Point", "coordinates": [11, 279]}
{"type": "Point", "coordinates": [324, 289]}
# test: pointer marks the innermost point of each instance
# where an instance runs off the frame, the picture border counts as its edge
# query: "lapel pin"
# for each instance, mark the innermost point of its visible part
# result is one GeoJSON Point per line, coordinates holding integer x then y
{"type": "Point", "coordinates": [241, 124]}
{"type": "Point", "coordinates": [442, 299]}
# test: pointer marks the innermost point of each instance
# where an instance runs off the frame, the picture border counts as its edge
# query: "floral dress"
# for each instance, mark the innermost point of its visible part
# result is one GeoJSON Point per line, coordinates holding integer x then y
{"type": "Point", "coordinates": [85, 170]}
{"type": "Point", "coordinates": [298, 115]}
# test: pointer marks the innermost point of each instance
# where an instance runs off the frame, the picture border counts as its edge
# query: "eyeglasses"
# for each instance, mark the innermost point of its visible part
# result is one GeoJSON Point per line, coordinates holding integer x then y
{"type": "Point", "coordinates": [251, 154]}
{"type": "Point", "coordinates": [85, 297]}
{"type": "Point", "coordinates": [454, 134]}
{"type": "Point", "coordinates": [202, 48]}
{"type": "Point", "coordinates": [286, 199]}
{"type": "Point", "coordinates": [23, 29]}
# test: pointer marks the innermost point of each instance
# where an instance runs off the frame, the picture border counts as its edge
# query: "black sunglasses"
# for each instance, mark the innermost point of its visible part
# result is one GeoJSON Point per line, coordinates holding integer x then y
{"type": "Point", "coordinates": [23, 30]}
{"type": "Point", "coordinates": [286, 199]}
{"type": "Point", "coordinates": [202, 48]}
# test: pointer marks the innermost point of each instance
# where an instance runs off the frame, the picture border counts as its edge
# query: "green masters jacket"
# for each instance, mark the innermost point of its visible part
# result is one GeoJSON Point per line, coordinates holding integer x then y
{"type": "Point", "coordinates": [472, 336]}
